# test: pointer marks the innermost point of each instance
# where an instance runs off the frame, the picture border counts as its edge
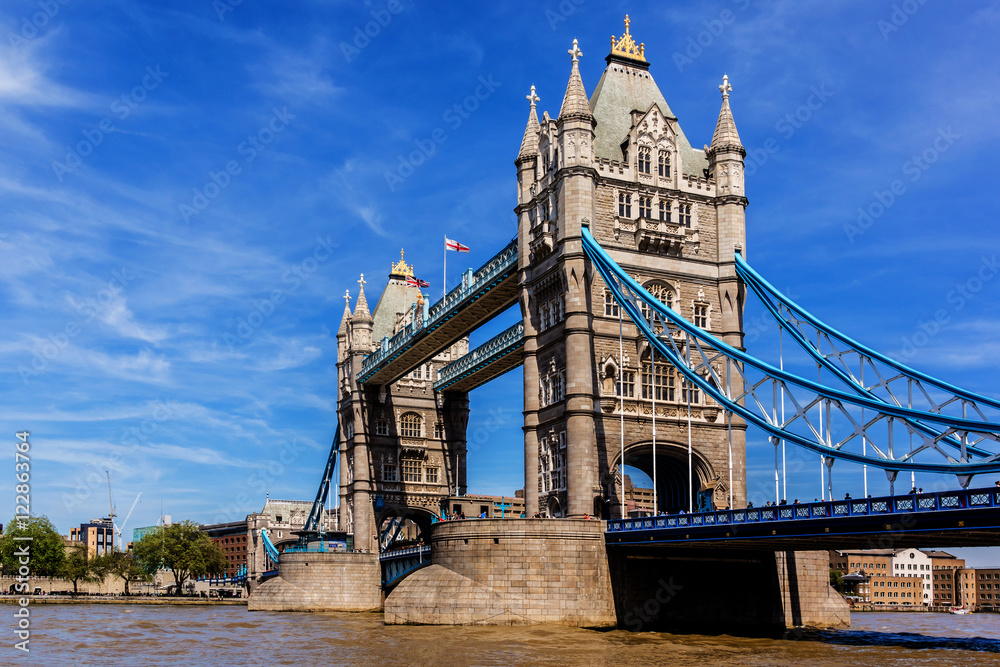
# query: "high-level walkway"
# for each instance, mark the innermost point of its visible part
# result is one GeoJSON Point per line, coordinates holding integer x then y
{"type": "Point", "coordinates": [483, 294]}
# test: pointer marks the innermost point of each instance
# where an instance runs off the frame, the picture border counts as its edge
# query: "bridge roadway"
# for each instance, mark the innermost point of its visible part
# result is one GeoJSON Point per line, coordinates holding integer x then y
{"type": "Point", "coordinates": [504, 352]}
{"type": "Point", "coordinates": [964, 518]}
{"type": "Point", "coordinates": [483, 294]}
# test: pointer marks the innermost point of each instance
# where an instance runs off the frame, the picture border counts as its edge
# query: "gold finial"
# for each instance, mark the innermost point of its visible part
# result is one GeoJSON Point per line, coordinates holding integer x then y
{"type": "Point", "coordinates": [401, 268]}
{"type": "Point", "coordinates": [420, 299]}
{"type": "Point", "coordinates": [626, 45]}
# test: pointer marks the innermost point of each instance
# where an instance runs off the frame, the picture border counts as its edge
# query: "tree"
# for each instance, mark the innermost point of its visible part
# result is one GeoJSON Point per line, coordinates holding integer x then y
{"type": "Point", "coordinates": [837, 580]}
{"type": "Point", "coordinates": [77, 566]}
{"type": "Point", "coordinates": [44, 552]}
{"type": "Point", "coordinates": [122, 565]}
{"type": "Point", "coordinates": [183, 549]}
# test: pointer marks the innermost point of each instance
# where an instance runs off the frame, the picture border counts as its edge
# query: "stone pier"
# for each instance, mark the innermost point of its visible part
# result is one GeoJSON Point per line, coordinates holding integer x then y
{"type": "Point", "coordinates": [321, 581]}
{"type": "Point", "coordinates": [509, 572]}
{"type": "Point", "coordinates": [722, 590]}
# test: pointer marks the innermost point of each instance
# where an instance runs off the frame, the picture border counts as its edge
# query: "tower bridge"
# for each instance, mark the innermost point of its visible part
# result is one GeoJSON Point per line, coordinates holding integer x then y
{"type": "Point", "coordinates": [630, 270]}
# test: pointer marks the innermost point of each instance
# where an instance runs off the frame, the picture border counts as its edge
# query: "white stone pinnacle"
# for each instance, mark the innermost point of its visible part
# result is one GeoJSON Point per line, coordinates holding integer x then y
{"type": "Point", "coordinates": [532, 97]}
{"type": "Point", "coordinates": [725, 88]}
{"type": "Point", "coordinates": [575, 51]}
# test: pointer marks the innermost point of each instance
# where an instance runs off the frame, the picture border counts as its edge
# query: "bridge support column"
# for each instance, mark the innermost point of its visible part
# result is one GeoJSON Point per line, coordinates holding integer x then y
{"type": "Point", "coordinates": [321, 581]}
{"type": "Point", "coordinates": [509, 572]}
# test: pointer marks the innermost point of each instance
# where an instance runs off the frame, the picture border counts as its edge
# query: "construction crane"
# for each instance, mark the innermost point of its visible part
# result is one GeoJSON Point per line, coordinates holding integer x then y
{"type": "Point", "coordinates": [112, 513]}
{"type": "Point", "coordinates": [114, 527]}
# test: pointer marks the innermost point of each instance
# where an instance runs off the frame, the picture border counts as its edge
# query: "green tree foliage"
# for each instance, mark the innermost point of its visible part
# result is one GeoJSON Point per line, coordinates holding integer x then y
{"type": "Point", "coordinates": [121, 565]}
{"type": "Point", "coordinates": [45, 548]}
{"type": "Point", "coordinates": [181, 548]}
{"type": "Point", "coordinates": [77, 567]}
{"type": "Point", "coordinates": [837, 580]}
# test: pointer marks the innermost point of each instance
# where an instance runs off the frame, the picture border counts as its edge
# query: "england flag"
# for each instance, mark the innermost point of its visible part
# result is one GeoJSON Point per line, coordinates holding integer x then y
{"type": "Point", "coordinates": [455, 245]}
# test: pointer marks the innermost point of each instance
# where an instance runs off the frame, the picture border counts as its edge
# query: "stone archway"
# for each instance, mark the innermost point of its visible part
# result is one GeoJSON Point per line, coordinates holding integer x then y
{"type": "Point", "coordinates": [673, 491]}
{"type": "Point", "coordinates": [553, 508]}
{"type": "Point", "coordinates": [400, 527]}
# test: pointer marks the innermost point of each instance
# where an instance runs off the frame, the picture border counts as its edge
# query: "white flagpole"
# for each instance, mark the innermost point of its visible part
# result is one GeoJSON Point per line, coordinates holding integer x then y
{"type": "Point", "coordinates": [444, 278]}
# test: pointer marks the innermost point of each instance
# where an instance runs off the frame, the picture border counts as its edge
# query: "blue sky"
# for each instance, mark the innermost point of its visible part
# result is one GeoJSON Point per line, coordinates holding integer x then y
{"type": "Point", "coordinates": [187, 190]}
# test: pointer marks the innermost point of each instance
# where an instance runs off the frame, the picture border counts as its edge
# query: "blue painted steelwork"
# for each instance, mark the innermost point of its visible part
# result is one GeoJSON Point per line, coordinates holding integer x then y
{"type": "Point", "coordinates": [765, 291]}
{"type": "Point", "coordinates": [316, 513]}
{"type": "Point", "coordinates": [491, 351]}
{"type": "Point", "coordinates": [399, 563]}
{"type": "Point", "coordinates": [473, 287]}
{"type": "Point", "coordinates": [697, 355]}
{"type": "Point", "coordinates": [827, 511]}
{"type": "Point", "coordinates": [272, 551]}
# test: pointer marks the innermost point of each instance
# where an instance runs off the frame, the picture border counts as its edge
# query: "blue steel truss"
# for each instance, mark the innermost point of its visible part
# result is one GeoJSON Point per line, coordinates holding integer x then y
{"type": "Point", "coordinates": [474, 286]}
{"type": "Point", "coordinates": [487, 354]}
{"type": "Point", "coordinates": [824, 420]}
{"type": "Point", "coordinates": [890, 380]}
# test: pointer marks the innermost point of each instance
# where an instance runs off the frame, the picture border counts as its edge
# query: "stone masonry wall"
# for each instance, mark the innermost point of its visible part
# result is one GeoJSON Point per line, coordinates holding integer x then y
{"type": "Point", "coordinates": [322, 582]}
{"type": "Point", "coordinates": [509, 572]}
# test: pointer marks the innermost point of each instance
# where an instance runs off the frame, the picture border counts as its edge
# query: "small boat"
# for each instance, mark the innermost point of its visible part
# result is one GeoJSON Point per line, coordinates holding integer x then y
{"type": "Point", "coordinates": [960, 610]}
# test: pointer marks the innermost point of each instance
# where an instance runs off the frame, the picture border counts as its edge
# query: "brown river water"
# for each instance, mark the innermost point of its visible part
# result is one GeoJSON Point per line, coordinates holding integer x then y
{"type": "Point", "coordinates": [204, 635]}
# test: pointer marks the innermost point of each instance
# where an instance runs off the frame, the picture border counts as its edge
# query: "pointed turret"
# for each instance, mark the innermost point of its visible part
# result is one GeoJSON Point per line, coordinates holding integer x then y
{"type": "Point", "coordinates": [361, 313]}
{"type": "Point", "coordinates": [345, 321]}
{"type": "Point", "coordinates": [529, 144]}
{"type": "Point", "coordinates": [725, 135]}
{"type": "Point", "coordinates": [575, 102]}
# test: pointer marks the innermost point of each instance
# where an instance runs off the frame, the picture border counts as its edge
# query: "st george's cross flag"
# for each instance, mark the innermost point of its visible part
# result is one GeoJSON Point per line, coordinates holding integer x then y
{"type": "Point", "coordinates": [416, 282]}
{"type": "Point", "coordinates": [455, 245]}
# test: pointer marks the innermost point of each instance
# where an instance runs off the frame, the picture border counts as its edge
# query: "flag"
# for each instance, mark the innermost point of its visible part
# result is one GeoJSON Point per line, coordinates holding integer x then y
{"type": "Point", "coordinates": [455, 245]}
{"type": "Point", "coordinates": [416, 282]}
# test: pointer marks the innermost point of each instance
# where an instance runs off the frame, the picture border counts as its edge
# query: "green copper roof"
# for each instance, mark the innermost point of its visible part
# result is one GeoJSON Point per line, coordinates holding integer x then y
{"type": "Point", "coordinates": [621, 90]}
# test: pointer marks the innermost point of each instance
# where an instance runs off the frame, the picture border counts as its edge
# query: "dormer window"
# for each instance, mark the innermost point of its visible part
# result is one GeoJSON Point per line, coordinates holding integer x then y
{"type": "Point", "coordinates": [645, 160]}
{"type": "Point", "coordinates": [624, 205]}
{"type": "Point", "coordinates": [663, 168]}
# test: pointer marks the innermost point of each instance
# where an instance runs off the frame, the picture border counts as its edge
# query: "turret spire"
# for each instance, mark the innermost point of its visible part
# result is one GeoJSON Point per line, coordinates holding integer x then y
{"type": "Point", "coordinates": [361, 312]}
{"type": "Point", "coordinates": [725, 129]}
{"type": "Point", "coordinates": [347, 313]}
{"type": "Point", "coordinates": [575, 101]}
{"type": "Point", "coordinates": [529, 144]}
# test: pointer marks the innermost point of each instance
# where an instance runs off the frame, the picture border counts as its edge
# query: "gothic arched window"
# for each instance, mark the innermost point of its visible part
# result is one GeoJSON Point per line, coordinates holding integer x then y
{"type": "Point", "coordinates": [662, 293]}
{"type": "Point", "coordinates": [663, 168]}
{"type": "Point", "coordinates": [410, 425]}
{"type": "Point", "coordinates": [645, 160]}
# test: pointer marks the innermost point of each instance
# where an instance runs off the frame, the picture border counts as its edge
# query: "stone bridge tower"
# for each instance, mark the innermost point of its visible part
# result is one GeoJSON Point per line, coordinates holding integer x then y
{"type": "Point", "coordinates": [672, 216]}
{"type": "Point", "coordinates": [401, 446]}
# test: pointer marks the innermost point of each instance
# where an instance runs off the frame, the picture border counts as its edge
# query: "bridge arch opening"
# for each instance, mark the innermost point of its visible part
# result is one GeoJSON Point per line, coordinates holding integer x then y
{"type": "Point", "coordinates": [672, 487]}
{"type": "Point", "coordinates": [402, 527]}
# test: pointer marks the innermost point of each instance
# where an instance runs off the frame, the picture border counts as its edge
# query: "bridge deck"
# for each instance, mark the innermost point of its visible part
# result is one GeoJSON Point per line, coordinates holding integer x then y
{"type": "Point", "coordinates": [500, 354]}
{"type": "Point", "coordinates": [483, 295]}
{"type": "Point", "coordinates": [946, 519]}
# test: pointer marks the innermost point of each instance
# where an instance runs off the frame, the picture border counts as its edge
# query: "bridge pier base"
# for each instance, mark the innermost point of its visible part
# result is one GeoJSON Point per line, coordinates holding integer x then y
{"type": "Point", "coordinates": [663, 588]}
{"type": "Point", "coordinates": [509, 572]}
{"type": "Point", "coordinates": [321, 581]}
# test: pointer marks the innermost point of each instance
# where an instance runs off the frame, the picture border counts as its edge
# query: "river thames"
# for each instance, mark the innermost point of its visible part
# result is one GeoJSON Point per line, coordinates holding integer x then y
{"type": "Point", "coordinates": [205, 635]}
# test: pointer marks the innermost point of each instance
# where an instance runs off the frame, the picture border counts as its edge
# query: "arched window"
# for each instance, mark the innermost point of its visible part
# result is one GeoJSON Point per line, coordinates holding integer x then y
{"type": "Point", "coordinates": [645, 160]}
{"type": "Point", "coordinates": [410, 425]}
{"type": "Point", "coordinates": [663, 167]}
{"type": "Point", "coordinates": [663, 294]}
{"type": "Point", "coordinates": [645, 207]}
{"type": "Point", "coordinates": [624, 205]}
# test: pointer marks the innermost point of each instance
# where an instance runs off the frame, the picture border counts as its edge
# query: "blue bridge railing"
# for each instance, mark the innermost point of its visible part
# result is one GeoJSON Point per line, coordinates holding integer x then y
{"type": "Point", "coordinates": [495, 348]}
{"type": "Point", "coordinates": [830, 509]}
{"type": "Point", "coordinates": [422, 550]}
